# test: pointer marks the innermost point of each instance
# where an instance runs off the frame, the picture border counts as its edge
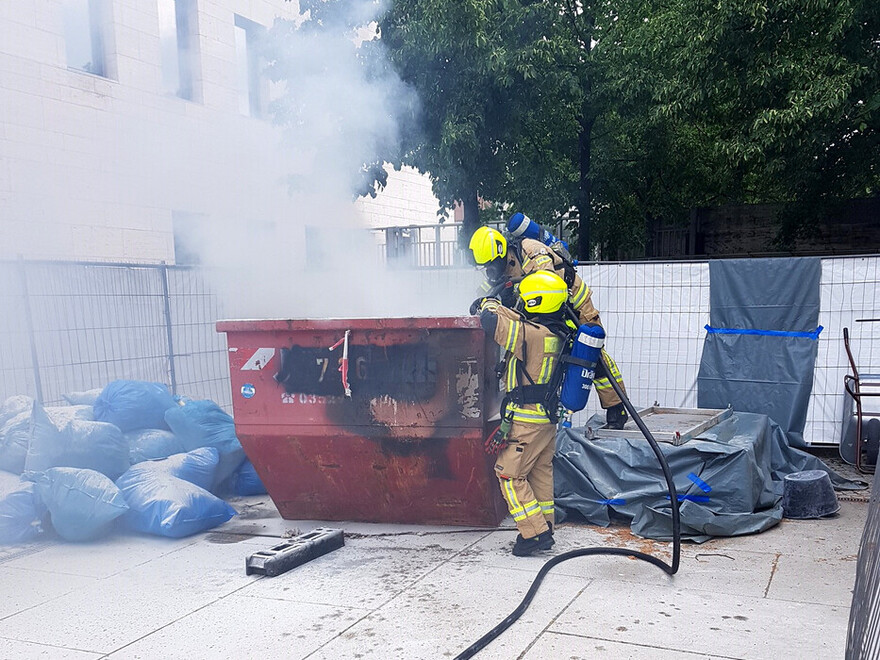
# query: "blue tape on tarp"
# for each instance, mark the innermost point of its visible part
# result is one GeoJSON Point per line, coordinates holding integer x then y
{"type": "Point", "coordinates": [691, 498]}
{"type": "Point", "coordinates": [768, 333]}
{"type": "Point", "coordinates": [706, 488]}
{"type": "Point", "coordinates": [613, 501]}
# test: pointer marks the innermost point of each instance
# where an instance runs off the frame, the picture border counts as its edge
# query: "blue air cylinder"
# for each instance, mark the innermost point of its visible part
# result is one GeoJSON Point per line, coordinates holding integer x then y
{"type": "Point", "coordinates": [578, 378]}
{"type": "Point", "coordinates": [521, 226]}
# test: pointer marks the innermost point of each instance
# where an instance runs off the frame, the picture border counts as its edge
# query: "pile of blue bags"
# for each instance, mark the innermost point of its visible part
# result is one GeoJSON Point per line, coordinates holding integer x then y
{"type": "Point", "coordinates": [130, 454]}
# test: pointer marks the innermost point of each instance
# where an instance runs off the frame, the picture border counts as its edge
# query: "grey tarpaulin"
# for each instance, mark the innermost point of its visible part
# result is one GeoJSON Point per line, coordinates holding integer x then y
{"type": "Point", "coordinates": [761, 345]}
{"type": "Point", "coordinates": [729, 479]}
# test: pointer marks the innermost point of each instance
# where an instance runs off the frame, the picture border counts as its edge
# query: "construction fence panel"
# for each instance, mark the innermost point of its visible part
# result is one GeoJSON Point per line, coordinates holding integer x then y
{"type": "Point", "coordinates": [66, 327]}
{"type": "Point", "coordinates": [655, 313]}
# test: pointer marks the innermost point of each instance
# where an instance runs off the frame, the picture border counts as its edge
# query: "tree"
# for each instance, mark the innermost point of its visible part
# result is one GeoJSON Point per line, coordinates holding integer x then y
{"type": "Point", "coordinates": [785, 95]}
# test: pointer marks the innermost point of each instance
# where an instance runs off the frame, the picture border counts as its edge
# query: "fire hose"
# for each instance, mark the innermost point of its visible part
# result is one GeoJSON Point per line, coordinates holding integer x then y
{"type": "Point", "coordinates": [671, 569]}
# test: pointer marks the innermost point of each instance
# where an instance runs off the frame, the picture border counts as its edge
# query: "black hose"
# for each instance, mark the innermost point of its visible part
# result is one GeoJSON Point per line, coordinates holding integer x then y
{"type": "Point", "coordinates": [672, 569]}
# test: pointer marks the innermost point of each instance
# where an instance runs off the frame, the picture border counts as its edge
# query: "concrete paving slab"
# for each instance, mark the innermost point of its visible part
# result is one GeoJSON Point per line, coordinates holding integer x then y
{"type": "Point", "coordinates": [244, 627]}
{"type": "Point", "coordinates": [364, 573]}
{"type": "Point", "coordinates": [705, 622]}
{"type": "Point", "coordinates": [12, 648]}
{"type": "Point", "coordinates": [23, 589]}
{"type": "Point", "coordinates": [117, 610]}
{"type": "Point", "coordinates": [101, 558]}
{"type": "Point", "coordinates": [449, 609]}
{"type": "Point", "coordinates": [806, 537]}
{"type": "Point", "coordinates": [809, 580]}
{"type": "Point", "coordinates": [575, 647]}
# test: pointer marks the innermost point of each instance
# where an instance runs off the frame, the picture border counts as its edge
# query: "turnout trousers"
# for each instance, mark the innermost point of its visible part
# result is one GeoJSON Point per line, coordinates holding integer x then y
{"type": "Point", "coordinates": [525, 472]}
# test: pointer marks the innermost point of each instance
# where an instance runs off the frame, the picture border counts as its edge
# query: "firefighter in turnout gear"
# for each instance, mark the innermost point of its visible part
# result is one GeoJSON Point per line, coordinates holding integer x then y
{"type": "Point", "coordinates": [508, 262]}
{"type": "Point", "coordinates": [526, 439]}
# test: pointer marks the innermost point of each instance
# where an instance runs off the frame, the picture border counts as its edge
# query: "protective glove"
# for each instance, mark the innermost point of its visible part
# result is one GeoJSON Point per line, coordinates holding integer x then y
{"type": "Point", "coordinates": [481, 304]}
{"type": "Point", "coordinates": [497, 440]}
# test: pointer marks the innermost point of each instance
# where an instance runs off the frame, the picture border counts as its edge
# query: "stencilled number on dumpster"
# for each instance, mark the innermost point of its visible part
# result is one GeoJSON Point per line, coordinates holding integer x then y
{"type": "Point", "coordinates": [406, 372]}
{"type": "Point", "coordinates": [309, 399]}
{"type": "Point", "coordinates": [360, 368]}
{"type": "Point", "coordinates": [322, 362]}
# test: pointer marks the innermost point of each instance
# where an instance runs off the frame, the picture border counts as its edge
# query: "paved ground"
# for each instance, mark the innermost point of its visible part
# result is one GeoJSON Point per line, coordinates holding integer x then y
{"type": "Point", "coordinates": [419, 592]}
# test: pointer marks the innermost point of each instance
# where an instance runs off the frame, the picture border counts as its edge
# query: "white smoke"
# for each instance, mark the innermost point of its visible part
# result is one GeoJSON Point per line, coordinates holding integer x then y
{"type": "Point", "coordinates": [333, 111]}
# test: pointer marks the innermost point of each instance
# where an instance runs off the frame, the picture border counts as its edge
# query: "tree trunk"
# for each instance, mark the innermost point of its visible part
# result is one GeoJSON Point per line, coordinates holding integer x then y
{"type": "Point", "coordinates": [471, 220]}
{"type": "Point", "coordinates": [585, 185]}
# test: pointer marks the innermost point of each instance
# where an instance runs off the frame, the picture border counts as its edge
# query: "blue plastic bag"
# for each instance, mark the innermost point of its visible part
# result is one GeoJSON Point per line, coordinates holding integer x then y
{"type": "Point", "coordinates": [152, 444]}
{"type": "Point", "coordinates": [15, 436]}
{"type": "Point", "coordinates": [82, 503]}
{"type": "Point", "coordinates": [246, 481]}
{"type": "Point", "coordinates": [86, 398]}
{"type": "Point", "coordinates": [197, 466]}
{"type": "Point", "coordinates": [167, 506]}
{"type": "Point", "coordinates": [134, 404]}
{"type": "Point", "coordinates": [77, 444]}
{"type": "Point", "coordinates": [14, 406]}
{"type": "Point", "coordinates": [21, 512]}
{"type": "Point", "coordinates": [205, 424]}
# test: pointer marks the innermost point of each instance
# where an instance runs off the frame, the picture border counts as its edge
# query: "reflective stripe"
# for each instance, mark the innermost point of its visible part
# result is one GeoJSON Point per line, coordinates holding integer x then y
{"type": "Point", "coordinates": [511, 374]}
{"type": "Point", "coordinates": [546, 367]}
{"type": "Point", "coordinates": [485, 286]}
{"type": "Point", "coordinates": [532, 508]}
{"type": "Point", "coordinates": [542, 259]}
{"type": "Point", "coordinates": [510, 334]}
{"type": "Point", "coordinates": [546, 507]}
{"type": "Point", "coordinates": [513, 505]}
{"type": "Point", "coordinates": [551, 344]}
{"type": "Point", "coordinates": [580, 296]}
{"type": "Point", "coordinates": [614, 370]}
{"type": "Point", "coordinates": [528, 416]}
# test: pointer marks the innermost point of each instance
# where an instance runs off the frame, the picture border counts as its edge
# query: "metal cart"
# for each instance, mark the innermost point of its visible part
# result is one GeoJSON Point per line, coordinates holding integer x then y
{"type": "Point", "coordinates": [860, 440]}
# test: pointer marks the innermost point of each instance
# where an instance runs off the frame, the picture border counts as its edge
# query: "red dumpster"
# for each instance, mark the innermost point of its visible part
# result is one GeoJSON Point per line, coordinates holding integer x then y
{"type": "Point", "coordinates": [404, 445]}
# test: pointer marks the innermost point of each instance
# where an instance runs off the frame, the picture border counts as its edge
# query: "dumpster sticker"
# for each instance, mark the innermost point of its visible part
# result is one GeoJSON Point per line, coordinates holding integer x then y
{"type": "Point", "coordinates": [467, 385]}
{"type": "Point", "coordinates": [259, 359]}
{"type": "Point", "coordinates": [248, 390]}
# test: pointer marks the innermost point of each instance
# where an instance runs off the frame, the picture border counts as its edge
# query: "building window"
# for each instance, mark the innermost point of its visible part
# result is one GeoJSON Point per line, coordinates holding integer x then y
{"type": "Point", "coordinates": [252, 84]}
{"type": "Point", "coordinates": [85, 24]}
{"type": "Point", "coordinates": [178, 47]}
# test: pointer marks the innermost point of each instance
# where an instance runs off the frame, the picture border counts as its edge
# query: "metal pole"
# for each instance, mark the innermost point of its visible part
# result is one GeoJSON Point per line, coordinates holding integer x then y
{"type": "Point", "coordinates": [168, 334]}
{"type": "Point", "coordinates": [437, 253]}
{"type": "Point", "coordinates": [29, 321]}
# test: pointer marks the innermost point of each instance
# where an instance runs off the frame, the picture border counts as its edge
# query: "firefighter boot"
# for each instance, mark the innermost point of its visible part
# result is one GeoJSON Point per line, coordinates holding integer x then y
{"type": "Point", "coordinates": [616, 417]}
{"type": "Point", "coordinates": [525, 547]}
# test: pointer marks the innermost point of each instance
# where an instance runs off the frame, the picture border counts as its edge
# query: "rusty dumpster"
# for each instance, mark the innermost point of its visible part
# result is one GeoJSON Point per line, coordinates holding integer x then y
{"type": "Point", "coordinates": [403, 445]}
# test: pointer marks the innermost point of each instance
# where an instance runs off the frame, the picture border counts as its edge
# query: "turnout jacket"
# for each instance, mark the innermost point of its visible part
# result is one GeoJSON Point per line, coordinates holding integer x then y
{"type": "Point", "coordinates": [531, 256]}
{"type": "Point", "coordinates": [532, 349]}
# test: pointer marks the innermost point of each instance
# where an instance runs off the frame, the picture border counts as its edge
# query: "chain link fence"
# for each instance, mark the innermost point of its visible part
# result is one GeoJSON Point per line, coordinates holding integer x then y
{"type": "Point", "coordinates": [73, 326]}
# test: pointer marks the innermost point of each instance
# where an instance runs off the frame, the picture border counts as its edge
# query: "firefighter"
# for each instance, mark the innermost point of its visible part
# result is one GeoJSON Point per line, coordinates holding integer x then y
{"type": "Point", "coordinates": [507, 263]}
{"type": "Point", "coordinates": [526, 439]}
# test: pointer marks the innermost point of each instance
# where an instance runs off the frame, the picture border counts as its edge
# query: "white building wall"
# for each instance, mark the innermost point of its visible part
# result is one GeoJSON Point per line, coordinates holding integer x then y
{"type": "Point", "coordinates": [92, 168]}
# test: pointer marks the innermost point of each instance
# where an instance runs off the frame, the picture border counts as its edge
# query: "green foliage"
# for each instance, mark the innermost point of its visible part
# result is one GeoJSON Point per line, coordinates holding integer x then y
{"type": "Point", "coordinates": [619, 116]}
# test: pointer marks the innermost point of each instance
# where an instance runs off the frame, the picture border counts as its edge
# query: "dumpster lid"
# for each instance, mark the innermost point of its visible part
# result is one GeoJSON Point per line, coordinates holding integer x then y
{"type": "Point", "coordinates": [283, 325]}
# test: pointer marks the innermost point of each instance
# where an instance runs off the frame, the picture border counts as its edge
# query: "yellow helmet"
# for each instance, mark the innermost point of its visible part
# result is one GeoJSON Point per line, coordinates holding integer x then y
{"type": "Point", "coordinates": [488, 244]}
{"type": "Point", "coordinates": [543, 292]}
